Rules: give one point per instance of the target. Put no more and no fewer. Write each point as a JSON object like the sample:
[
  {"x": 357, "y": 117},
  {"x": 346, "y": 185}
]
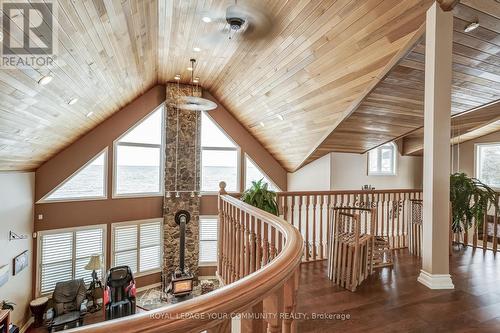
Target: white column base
[{"x": 435, "y": 281}]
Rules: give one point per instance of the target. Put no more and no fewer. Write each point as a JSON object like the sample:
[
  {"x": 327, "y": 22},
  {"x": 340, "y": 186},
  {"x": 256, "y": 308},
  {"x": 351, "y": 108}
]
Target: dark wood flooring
[{"x": 392, "y": 300}]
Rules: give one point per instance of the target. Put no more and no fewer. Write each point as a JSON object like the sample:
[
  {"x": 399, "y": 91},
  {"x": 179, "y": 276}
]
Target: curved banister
[{"x": 215, "y": 308}]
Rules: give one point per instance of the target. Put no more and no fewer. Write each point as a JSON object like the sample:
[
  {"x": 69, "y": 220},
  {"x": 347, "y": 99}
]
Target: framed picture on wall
[{"x": 20, "y": 262}]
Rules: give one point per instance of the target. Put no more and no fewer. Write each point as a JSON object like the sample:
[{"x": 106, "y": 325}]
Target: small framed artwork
[
  {"x": 4, "y": 274},
  {"x": 20, "y": 262}
]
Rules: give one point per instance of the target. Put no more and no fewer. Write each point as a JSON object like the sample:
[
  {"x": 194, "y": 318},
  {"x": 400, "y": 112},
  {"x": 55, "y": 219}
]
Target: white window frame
[
  {"x": 378, "y": 151},
  {"x": 45, "y": 198},
  {"x": 161, "y": 146},
  {"x": 73, "y": 230},
  {"x": 138, "y": 248},
  {"x": 261, "y": 171},
  {"x": 236, "y": 148},
  {"x": 477, "y": 169},
  {"x": 209, "y": 263}
]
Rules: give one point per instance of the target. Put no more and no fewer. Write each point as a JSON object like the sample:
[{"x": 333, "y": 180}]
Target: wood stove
[{"x": 181, "y": 284}]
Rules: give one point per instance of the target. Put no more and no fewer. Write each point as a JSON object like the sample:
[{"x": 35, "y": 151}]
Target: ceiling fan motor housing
[{"x": 235, "y": 22}]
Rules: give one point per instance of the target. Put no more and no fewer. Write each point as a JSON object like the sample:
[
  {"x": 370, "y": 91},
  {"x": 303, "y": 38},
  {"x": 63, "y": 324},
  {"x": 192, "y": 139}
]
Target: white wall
[
  {"x": 349, "y": 172},
  {"x": 314, "y": 176},
  {"x": 344, "y": 171},
  {"x": 16, "y": 211}
]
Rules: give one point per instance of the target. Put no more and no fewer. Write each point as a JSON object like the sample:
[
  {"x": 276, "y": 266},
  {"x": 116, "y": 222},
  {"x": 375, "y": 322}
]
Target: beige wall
[
  {"x": 464, "y": 155},
  {"x": 349, "y": 172},
  {"x": 17, "y": 192},
  {"x": 314, "y": 176},
  {"x": 344, "y": 171}
]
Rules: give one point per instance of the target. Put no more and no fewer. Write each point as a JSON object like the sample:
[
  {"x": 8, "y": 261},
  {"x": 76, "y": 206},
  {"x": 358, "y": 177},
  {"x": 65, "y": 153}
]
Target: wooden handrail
[
  {"x": 213, "y": 311},
  {"x": 347, "y": 192}
]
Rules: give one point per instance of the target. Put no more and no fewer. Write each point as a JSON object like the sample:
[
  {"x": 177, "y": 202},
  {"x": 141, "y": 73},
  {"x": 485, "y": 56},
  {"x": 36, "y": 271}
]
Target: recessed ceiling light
[
  {"x": 90, "y": 114},
  {"x": 280, "y": 117},
  {"x": 471, "y": 26},
  {"x": 196, "y": 49},
  {"x": 206, "y": 19},
  {"x": 45, "y": 79},
  {"x": 190, "y": 69},
  {"x": 196, "y": 80},
  {"x": 72, "y": 101},
  {"x": 262, "y": 124},
  {"x": 177, "y": 77}
]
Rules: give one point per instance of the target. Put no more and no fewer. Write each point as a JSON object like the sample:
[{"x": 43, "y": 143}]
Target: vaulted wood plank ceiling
[
  {"x": 316, "y": 64},
  {"x": 395, "y": 107}
]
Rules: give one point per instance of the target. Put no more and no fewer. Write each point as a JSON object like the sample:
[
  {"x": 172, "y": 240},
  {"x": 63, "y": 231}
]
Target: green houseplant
[
  {"x": 259, "y": 196},
  {"x": 470, "y": 200}
]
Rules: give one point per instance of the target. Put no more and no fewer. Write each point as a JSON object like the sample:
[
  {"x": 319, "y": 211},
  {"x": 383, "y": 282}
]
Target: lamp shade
[{"x": 94, "y": 263}]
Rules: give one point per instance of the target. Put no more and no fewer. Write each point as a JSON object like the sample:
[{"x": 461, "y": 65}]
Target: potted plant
[
  {"x": 259, "y": 196},
  {"x": 470, "y": 200}
]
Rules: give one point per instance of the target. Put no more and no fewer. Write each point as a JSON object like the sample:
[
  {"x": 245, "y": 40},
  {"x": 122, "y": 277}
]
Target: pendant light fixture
[{"x": 192, "y": 102}]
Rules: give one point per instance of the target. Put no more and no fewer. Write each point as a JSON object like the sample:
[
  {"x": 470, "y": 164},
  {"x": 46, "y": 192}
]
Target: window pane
[
  {"x": 148, "y": 131},
  {"x": 373, "y": 161},
  {"x": 387, "y": 160},
  {"x": 217, "y": 166},
  {"x": 125, "y": 238},
  {"x": 489, "y": 164},
  {"x": 211, "y": 135},
  {"x": 150, "y": 258},
  {"x": 150, "y": 234},
  {"x": 127, "y": 258},
  {"x": 88, "y": 182},
  {"x": 252, "y": 173},
  {"x": 208, "y": 240},
  {"x": 56, "y": 260},
  {"x": 88, "y": 242},
  {"x": 138, "y": 170}
]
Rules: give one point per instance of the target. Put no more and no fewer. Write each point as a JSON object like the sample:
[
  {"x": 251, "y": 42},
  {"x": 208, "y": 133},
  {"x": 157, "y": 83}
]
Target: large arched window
[{"x": 382, "y": 160}]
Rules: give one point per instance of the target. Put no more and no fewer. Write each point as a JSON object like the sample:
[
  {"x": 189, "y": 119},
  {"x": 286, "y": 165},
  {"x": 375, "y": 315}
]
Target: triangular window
[
  {"x": 88, "y": 182},
  {"x": 254, "y": 174}
]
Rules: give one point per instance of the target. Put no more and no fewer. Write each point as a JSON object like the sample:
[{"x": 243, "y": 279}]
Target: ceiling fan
[{"x": 249, "y": 22}]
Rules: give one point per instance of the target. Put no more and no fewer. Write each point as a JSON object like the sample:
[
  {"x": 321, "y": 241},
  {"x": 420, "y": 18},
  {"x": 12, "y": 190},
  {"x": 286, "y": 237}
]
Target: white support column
[{"x": 437, "y": 120}]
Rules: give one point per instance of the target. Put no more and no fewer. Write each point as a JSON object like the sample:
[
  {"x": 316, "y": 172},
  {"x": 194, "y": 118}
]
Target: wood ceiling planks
[
  {"x": 315, "y": 67},
  {"x": 106, "y": 58},
  {"x": 395, "y": 107}
]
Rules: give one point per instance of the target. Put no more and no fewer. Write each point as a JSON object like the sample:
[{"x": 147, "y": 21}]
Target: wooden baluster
[
  {"x": 280, "y": 242},
  {"x": 300, "y": 220},
  {"x": 237, "y": 241},
  {"x": 403, "y": 215},
  {"x": 292, "y": 210},
  {"x": 495, "y": 238},
  {"x": 485, "y": 230},
  {"x": 285, "y": 208},
  {"x": 273, "y": 307},
  {"x": 273, "y": 251},
  {"x": 306, "y": 240},
  {"x": 321, "y": 250},
  {"x": 290, "y": 302},
  {"x": 225, "y": 244},
  {"x": 258, "y": 244},
  {"x": 398, "y": 213},
  {"x": 255, "y": 323},
  {"x": 253, "y": 245},
  {"x": 242, "y": 244},
  {"x": 265, "y": 243},
  {"x": 328, "y": 224},
  {"x": 314, "y": 228},
  {"x": 230, "y": 244},
  {"x": 248, "y": 244}
]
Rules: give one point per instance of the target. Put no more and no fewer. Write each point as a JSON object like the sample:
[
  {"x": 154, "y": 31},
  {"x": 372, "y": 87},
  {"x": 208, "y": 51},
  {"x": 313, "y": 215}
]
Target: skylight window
[
  {"x": 89, "y": 182},
  {"x": 138, "y": 167}
]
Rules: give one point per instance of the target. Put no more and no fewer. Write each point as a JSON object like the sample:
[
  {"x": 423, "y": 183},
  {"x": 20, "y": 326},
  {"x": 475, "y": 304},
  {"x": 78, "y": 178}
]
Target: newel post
[{"x": 220, "y": 230}]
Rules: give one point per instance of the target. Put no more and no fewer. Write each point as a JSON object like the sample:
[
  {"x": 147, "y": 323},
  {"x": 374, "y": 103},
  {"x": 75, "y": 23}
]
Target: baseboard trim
[
  {"x": 435, "y": 281},
  {"x": 26, "y": 325}
]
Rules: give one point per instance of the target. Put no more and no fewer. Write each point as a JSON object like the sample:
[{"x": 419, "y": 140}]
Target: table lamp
[{"x": 94, "y": 265}]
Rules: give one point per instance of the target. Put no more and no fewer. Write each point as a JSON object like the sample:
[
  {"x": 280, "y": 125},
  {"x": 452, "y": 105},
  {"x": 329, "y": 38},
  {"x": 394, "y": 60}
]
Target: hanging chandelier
[{"x": 193, "y": 102}]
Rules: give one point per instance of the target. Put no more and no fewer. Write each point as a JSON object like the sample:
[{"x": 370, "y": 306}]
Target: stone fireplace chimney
[{"x": 182, "y": 167}]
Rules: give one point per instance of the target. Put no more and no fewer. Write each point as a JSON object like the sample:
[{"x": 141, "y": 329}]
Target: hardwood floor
[{"x": 393, "y": 301}]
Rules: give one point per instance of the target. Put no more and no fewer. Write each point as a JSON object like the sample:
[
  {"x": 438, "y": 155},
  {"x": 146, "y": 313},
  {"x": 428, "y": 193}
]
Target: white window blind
[
  {"x": 64, "y": 255},
  {"x": 208, "y": 240},
  {"x": 138, "y": 245}
]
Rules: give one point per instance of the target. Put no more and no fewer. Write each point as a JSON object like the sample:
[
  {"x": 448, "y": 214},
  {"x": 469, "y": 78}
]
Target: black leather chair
[
  {"x": 119, "y": 294},
  {"x": 69, "y": 302}
]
